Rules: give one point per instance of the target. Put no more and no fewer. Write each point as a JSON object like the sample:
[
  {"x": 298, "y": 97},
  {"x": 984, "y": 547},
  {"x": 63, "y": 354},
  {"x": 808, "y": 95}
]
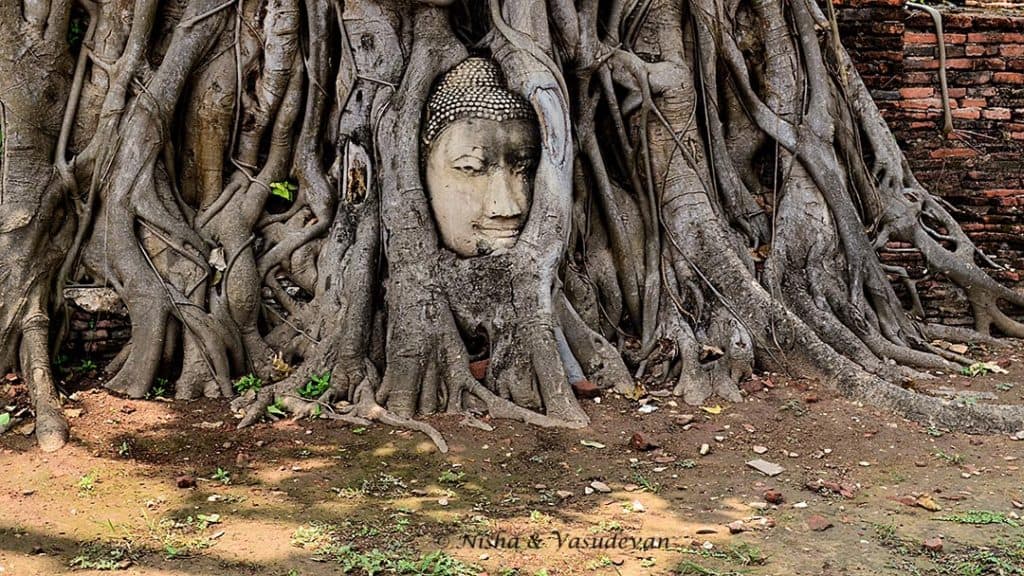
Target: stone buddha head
[{"x": 481, "y": 146}]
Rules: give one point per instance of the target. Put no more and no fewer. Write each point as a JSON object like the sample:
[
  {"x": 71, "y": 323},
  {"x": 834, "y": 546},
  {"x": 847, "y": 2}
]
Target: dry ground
[{"x": 316, "y": 497}]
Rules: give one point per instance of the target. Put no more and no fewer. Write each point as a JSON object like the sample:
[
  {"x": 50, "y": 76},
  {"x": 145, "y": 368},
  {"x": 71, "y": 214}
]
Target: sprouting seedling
[{"x": 284, "y": 189}]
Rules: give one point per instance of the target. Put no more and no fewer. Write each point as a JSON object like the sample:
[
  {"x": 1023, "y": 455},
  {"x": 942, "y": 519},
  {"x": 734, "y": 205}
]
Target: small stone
[
  {"x": 736, "y": 527},
  {"x": 965, "y": 475},
  {"x": 684, "y": 419},
  {"x": 864, "y": 463},
  {"x": 800, "y": 505},
  {"x": 563, "y": 494},
  {"x": 760, "y": 449},
  {"x": 641, "y": 444},
  {"x": 442, "y": 502},
  {"x": 418, "y": 492},
  {"x": 758, "y": 505},
  {"x": 185, "y": 481},
  {"x": 1017, "y": 504},
  {"x": 818, "y": 523},
  {"x": 600, "y": 487},
  {"x": 705, "y": 449},
  {"x": 773, "y": 496},
  {"x": 485, "y": 556},
  {"x": 933, "y": 544},
  {"x": 588, "y": 490},
  {"x": 793, "y": 455},
  {"x": 765, "y": 467},
  {"x": 637, "y": 506},
  {"x": 540, "y": 487}
]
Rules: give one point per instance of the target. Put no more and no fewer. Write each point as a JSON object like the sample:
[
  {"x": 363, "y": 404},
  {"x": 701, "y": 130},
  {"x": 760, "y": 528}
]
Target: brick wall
[{"x": 980, "y": 167}]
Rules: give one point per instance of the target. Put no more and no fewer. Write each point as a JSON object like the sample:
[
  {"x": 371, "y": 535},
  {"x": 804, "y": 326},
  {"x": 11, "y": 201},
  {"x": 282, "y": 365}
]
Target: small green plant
[
  {"x": 795, "y": 406},
  {"x": 87, "y": 483},
  {"x": 87, "y": 365},
  {"x": 277, "y": 409},
  {"x": 1004, "y": 386},
  {"x": 979, "y": 517},
  {"x": 645, "y": 484},
  {"x": 538, "y": 517},
  {"x": 982, "y": 368},
  {"x": 183, "y": 538},
  {"x": 104, "y": 557},
  {"x": 952, "y": 459},
  {"x": 222, "y": 476},
  {"x": 77, "y": 26},
  {"x": 125, "y": 449},
  {"x": 5, "y": 420},
  {"x": 606, "y": 526},
  {"x": 601, "y": 562},
  {"x": 453, "y": 477},
  {"x": 159, "y": 389},
  {"x": 248, "y": 382},
  {"x": 934, "y": 432},
  {"x": 284, "y": 189},
  {"x": 324, "y": 541},
  {"x": 316, "y": 386},
  {"x": 383, "y": 484},
  {"x": 687, "y": 464},
  {"x": 359, "y": 430}
]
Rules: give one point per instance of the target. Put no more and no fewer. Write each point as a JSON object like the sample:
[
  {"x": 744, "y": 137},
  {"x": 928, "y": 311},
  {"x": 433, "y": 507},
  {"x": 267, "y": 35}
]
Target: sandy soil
[{"x": 313, "y": 497}]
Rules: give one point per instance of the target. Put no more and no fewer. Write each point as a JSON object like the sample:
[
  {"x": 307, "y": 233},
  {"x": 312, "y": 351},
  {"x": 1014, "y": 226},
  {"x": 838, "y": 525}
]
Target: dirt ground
[{"x": 318, "y": 497}]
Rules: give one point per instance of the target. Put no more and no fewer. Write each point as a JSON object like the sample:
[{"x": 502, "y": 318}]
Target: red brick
[
  {"x": 959, "y": 64},
  {"x": 975, "y": 50},
  {"x": 1012, "y": 50},
  {"x": 921, "y": 103},
  {"x": 996, "y": 114},
  {"x": 919, "y": 38},
  {"x": 917, "y": 92},
  {"x": 918, "y": 63},
  {"x": 1001, "y": 192},
  {"x": 973, "y": 102},
  {"x": 1008, "y": 78},
  {"x": 943, "y": 153},
  {"x": 967, "y": 114}
]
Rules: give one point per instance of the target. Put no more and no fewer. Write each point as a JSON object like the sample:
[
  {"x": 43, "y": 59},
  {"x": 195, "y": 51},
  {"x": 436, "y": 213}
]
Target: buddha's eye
[
  {"x": 522, "y": 165},
  {"x": 470, "y": 166}
]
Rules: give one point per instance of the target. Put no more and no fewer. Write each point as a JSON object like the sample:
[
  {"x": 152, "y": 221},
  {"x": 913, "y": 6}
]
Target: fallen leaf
[
  {"x": 928, "y": 503},
  {"x": 591, "y": 444},
  {"x": 716, "y": 409}
]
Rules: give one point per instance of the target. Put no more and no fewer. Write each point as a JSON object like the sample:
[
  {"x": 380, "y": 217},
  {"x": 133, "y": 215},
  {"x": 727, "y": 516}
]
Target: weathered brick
[
  {"x": 1008, "y": 78},
  {"x": 945, "y": 153},
  {"x": 917, "y": 92},
  {"x": 996, "y": 114},
  {"x": 967, "y": 113}
]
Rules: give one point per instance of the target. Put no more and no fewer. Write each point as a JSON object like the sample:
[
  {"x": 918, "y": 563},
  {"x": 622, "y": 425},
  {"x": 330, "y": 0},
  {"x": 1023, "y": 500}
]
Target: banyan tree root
[{"x": 709, "y": 184}]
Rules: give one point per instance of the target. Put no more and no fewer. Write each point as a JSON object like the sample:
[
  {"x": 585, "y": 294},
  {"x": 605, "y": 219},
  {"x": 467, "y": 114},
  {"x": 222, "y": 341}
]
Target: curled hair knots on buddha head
[{"x": 474, "y": 88}]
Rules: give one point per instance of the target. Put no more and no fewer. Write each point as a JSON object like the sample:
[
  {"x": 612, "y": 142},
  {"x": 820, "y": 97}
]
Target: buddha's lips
[{"x": 498, "y": 231}]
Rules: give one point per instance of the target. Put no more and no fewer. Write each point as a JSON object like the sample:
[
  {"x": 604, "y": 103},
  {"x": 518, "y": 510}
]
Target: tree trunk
[{"x": 706, "y": 189}]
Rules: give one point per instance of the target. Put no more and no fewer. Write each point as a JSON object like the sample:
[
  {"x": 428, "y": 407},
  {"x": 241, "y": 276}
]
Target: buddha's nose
[{"x": 507, "y": 195}]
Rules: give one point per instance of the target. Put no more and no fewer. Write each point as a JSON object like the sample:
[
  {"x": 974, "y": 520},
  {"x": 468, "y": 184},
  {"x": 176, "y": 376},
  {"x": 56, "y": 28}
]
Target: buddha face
[{"x": 479, "y": 179}]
